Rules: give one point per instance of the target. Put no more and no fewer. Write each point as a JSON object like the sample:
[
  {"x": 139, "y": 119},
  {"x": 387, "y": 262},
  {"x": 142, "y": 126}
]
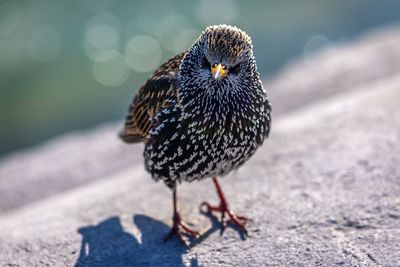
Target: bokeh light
[
  {"x": 10, "y": 18},
  {"x": 143, "y": 53},
  {"x": 44, "y": 44},
  {"x": 110, "y": 68},
  {"x": 102, "y": 32},
  {"x": 316, "y": 43},
  {"x": 102, "y": 36}
]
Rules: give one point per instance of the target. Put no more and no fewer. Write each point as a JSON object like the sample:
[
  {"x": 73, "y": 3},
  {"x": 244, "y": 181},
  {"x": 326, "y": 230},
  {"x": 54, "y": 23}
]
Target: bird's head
[{"x": 221, "y": 59}]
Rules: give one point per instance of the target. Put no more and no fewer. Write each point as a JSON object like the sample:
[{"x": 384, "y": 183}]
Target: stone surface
[
  {"x": 323, "y": 190},
  {"x": 336, "y": 70}
]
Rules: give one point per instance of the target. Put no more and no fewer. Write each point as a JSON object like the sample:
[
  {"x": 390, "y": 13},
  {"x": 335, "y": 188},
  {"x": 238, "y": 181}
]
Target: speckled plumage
[{"x": 195, "y": 126}]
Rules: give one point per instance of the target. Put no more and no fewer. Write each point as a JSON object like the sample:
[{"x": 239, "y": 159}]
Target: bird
[{"x": 202, "y": 114}]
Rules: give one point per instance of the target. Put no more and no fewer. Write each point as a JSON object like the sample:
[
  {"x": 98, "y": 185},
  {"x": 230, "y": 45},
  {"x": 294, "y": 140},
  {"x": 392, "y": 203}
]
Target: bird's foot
[
  {"x": 181, "y": 229},
  {"x": 238, "y": 220}
]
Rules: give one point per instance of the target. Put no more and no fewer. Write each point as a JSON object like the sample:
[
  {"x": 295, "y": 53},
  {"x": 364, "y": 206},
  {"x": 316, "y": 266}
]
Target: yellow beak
[{"x": 218, "y": 71}]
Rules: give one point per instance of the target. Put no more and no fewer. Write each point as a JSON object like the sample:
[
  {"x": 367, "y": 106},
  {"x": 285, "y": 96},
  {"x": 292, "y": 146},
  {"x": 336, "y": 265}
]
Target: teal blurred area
[{"x": 67, "y": 65}]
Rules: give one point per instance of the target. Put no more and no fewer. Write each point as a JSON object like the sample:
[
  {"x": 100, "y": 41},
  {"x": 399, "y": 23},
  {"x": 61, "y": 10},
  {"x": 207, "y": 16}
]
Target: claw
[
  {"x": 181, "y": 229},
  {"x": 223, "y": 208},
  {"x": 238, "y": 220}
]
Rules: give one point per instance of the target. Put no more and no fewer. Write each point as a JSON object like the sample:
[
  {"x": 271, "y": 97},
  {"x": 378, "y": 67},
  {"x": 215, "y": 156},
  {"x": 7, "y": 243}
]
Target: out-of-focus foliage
[{"x": 71, "y": 64}]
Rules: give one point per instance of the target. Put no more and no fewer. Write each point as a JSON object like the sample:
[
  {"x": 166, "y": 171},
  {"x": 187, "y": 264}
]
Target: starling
[{"x": 202, "y": 114}]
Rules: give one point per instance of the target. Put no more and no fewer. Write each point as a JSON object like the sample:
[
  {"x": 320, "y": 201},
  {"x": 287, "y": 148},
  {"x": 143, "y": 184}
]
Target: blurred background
[{"x": 67, "y": 65}]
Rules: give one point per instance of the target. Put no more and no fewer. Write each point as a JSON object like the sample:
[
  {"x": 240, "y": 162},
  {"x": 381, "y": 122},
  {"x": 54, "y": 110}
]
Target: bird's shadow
[{"x": 107, "y": 244}]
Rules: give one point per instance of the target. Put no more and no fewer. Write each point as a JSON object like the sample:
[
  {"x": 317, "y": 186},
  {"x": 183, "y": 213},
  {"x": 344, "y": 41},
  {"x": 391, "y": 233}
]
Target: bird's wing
[{"x": 151, "y": 97}]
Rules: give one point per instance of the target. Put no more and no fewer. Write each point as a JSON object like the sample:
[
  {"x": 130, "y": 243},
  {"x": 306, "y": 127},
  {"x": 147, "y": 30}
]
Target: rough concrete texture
[{"x": 324, "y": 190}]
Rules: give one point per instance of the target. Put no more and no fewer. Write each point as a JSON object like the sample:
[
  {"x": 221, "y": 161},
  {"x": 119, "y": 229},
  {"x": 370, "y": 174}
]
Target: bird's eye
[
  {"x": 235, "y": 69},
  {"x": 205, "y": 63}
]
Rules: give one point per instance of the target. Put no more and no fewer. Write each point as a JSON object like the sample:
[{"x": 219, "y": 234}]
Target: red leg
[
  {"x": 179, "y": 227},
  {"x": 239, "y": 221}
]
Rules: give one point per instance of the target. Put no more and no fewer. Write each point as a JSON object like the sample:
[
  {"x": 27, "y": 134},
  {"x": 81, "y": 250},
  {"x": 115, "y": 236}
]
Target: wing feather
[{"x": 151, "y": 97}]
